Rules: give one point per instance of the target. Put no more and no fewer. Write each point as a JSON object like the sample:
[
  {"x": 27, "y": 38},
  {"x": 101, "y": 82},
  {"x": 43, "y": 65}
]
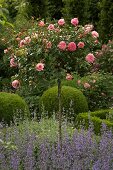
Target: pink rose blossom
[
  {"x": 74, "y": 21},
  {"x": 62, "y": 45},
  {"x": 51, "y": 27},
  {"x": 94, "y": 34},
  {"x": 41, "y": 24},
  {"x": 87, "y": 85},
  {"x": 40, "y": 67},
  {"x": 27, "y": 40},
  {"x": 49, "y": 45},
  {"x": 22, "y": 43},
  {"x": 5, "y": 51},
  {"x": 61, "y": 22},
  {"x": 69, "y": 77},
  {"x": 90, "y": 58},
  {"x": 12, "y": 62},
  {"x": 15, "y": 84},
  {"x": 71, "y": 46},
  {"x": 88, "y": 28},
  {"x": 81, "y": 45}
]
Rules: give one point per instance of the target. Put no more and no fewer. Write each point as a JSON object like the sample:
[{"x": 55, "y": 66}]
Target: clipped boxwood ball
[
  {"x": 12, "y": 106},
  {"x": 73, "y": 101}
]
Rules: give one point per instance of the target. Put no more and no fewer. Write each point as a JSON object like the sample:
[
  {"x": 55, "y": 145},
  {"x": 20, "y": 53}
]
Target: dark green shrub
[
  {"x": 97, "y": 118},
  {"x": 12, "y": 107},
  {"x": 73, "y": 101}
]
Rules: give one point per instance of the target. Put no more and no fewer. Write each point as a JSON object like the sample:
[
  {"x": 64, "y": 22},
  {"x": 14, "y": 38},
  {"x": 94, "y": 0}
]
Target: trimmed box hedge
[
  {"x": 97, "y": 118},
  {"x": 12, "y": 107},
  {"x": 71, "y": 98}
]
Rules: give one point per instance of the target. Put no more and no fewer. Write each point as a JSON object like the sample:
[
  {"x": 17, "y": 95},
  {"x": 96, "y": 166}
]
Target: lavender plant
[{"x": 27, "y": 150}]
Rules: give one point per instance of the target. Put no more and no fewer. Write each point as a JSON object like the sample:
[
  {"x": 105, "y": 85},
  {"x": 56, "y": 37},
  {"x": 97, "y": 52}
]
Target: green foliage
[
  {"x": 105, "y": 24},
  {"x": 93, "y": 12},
  {"x": 97, "y": 118},
  {"x": 105, "y": 57},
  {"x": 4, "y": 13},
  {"x": 72, "y": 101},
  {"x": 11, "y": 5},
  {"x": 46, "y": 9},
  {"x": 12, "y": 108},
  {"x": 55, "y": 9},
  {"x": 22, "y": 15},
  {"x": 17, "y": 9}
]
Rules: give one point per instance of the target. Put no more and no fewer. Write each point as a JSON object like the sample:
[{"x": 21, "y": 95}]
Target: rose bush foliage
[
  {"x": 44, "y": 48},
  {"x": 105, "y": 57}
]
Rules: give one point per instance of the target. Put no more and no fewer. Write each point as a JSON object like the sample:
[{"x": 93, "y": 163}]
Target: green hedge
[
  {"x": 12, "y": 108},
  {"x": 73, "y": 101},
  {"x": 97, "y": 118}
]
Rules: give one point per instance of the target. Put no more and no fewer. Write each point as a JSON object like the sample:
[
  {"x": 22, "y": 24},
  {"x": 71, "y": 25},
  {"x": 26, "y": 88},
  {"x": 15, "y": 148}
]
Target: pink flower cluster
[
  {"x": 90, "y": 58},
  {"x": 51, "y": 27},
  {"x": 39, "y": 67},
  {"x": 81, "y": 45},
  {"x": 74, "y": 21},
  {"x": 25, "y": 41},
  {"x": 16, "y": 84},
  {"x": 41, "y": 24},
  {"x": 61, "y": 22},
  {"x": 62, "y": 45},
  {"x": 95, "y": 34},
  {"x": 13, "y": 63},
  {"x": 88, "y": 28},
  {"x": 70, "y": 47}
]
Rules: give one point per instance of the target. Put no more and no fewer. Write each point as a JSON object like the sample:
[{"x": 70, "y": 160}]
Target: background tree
[
  {"x": 94, "y": 12},
  {"x": 105, "y": 24},
  {"x": 38, "y": 8},
  {"x": 55, "y": 8},
  {"x": 75, "y": 8}
]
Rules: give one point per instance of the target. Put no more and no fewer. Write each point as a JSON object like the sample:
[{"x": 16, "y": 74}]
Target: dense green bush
[
  {"x": 12, "y": 108},
  {"x": 97, "y": 118},
  {"x": 72, "y": 99}
]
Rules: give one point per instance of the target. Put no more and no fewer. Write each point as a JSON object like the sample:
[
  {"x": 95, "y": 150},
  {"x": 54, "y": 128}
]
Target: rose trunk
[{"x": 59, "y": 109}]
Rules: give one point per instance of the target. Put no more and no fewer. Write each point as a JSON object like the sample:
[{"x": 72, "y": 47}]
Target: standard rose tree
[{"x": 47, "y": 49}]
